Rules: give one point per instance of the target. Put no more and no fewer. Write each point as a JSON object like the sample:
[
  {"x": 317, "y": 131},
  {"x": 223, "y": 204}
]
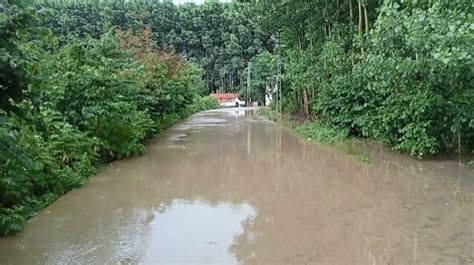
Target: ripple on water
[
  {"x": 177, "y": 136},
  {"x": 174, "y": 146},
  {"x": 205, "y": 120},
  {"x": 315, "y": 204}
]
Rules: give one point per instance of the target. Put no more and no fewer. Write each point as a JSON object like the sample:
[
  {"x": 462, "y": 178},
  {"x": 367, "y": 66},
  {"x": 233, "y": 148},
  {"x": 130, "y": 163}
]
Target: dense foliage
[
  {"x": 400, "y": 72},
  {"x": 71, "y": 104},
  {"x": 219, "y": 37},
  {"x": 83, "y": 83},
  {"x": 261, "y": 81}
]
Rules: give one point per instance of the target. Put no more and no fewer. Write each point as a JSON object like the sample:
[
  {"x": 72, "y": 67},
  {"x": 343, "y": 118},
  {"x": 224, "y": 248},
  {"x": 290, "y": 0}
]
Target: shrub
[
  {"x": 91, "y": 102},
  {"x": 320, "y": 132}
]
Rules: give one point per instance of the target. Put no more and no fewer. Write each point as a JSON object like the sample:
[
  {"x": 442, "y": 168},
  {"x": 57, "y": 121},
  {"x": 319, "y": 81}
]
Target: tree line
[
  {"x": 83, "y": 83},
  {"x": 400, "y": 72},
  {"x": 220, "y": 37},
  {"x": 72, "y": 102}
]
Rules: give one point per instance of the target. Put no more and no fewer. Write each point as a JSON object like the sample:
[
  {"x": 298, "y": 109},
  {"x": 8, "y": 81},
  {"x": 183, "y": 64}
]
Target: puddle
[{"x": 196, "y": 232}]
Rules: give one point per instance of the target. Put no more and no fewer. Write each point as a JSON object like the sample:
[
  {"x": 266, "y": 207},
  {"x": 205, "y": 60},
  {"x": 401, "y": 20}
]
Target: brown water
[{"x": 228, "y": 187}]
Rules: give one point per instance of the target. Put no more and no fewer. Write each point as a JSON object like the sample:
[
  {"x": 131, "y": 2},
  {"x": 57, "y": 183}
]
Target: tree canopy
[
  {"x": 400, "y": 72},
  {"x": 72, "y": 101},
  {"x": 219, "y": 37}
]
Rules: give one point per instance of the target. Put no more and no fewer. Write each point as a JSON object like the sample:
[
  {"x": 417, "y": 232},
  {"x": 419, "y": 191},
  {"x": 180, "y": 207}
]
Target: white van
[{"x": 234, "y": 103}]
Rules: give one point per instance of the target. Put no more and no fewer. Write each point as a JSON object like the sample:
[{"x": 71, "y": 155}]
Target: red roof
[{"x": 224, "y": 97}]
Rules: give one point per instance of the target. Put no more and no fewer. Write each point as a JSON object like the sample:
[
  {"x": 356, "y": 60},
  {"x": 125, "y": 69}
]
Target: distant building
[
  {"x": 228, "y": 99},
  {"x": 225, "y": 97}
]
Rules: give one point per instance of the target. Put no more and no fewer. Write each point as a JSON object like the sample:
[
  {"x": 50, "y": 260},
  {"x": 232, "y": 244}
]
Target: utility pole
[
  {"x": 279, "y": 95},
  {"x": 249, "y": 101}
]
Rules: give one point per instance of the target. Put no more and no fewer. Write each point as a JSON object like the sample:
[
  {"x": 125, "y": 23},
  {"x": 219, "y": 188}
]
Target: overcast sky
[{"x": 195, "y": 1}]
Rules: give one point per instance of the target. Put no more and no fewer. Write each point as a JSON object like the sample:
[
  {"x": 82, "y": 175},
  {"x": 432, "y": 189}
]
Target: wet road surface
[{"x": 229, "y": 187}]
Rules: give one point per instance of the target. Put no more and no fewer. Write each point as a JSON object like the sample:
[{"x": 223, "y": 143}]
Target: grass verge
[{"x": 319, "y": 132}]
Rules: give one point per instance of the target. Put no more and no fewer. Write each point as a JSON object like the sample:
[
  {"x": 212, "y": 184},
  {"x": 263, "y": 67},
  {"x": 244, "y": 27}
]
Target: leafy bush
[
  {"x": 413, "y": 69},
  {"x": 204, "y": 103},
  {"x": 81, "y": 104},
  {"x": 413, "y": 86},
  {"x": 11, "y": 221}
]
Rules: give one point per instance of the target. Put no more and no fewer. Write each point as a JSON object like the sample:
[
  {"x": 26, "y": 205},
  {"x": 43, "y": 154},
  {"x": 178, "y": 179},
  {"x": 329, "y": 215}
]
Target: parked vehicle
[
  {"x": 229, "y": 104},
  {"x": 240, "y": 103},
  {"x": 236, "y": 102}
]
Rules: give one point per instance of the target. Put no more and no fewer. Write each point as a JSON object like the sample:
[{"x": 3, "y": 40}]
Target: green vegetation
[
  {"x": 272, "y": 115},
  {"x": 319, "y": 132},
  {"x": 322, "y": 133},
  {"x": 220, "y": 37},
  {"x": 72, "y": 103},
  {"x": 470, "y": 164},
  {"x": 262, "y": 77},
  {"x": 84, "y": 83},
  {"x": 399, "y": 72}
]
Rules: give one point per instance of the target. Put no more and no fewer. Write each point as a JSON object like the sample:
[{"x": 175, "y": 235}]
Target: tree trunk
[
  {"x": 459, "y": 144},
  {"x": 351, "y": 16},
  {"x": 305, "y": 102},
  {"x": 366, "y": 19},
  {"x": 208, "y": 82},
  {"x": 360, "y": 25}
]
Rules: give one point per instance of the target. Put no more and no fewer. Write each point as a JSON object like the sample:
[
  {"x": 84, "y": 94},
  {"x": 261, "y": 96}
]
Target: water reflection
[
  {"x": 226, "y": 188},
  {"x": 196, "y": 232}
]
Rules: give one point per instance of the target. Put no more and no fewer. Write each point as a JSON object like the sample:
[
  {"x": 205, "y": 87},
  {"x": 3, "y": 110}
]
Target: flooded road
[{"x": 228, "y": 187}]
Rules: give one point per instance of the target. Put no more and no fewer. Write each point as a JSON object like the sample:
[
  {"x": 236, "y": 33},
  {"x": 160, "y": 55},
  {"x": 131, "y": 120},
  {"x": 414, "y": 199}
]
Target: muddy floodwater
[{"x": 229, "y": 187}]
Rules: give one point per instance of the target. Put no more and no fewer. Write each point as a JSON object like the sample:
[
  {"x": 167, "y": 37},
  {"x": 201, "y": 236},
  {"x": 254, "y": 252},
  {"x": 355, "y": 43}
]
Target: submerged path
[{"x": 228, "y": 187}]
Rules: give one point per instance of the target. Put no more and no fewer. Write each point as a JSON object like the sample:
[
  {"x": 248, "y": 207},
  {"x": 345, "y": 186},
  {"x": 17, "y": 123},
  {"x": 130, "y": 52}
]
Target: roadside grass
[
  {"x": 351, "y": 147},
  {"x": 319, "y": 132},
  {"x": 470, "y": 164}
]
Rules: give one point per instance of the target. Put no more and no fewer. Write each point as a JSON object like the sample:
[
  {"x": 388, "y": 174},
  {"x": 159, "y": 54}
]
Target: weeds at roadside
[
  {"x": 316, "y": 131},
  {"x": 470, "y": 165}
]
